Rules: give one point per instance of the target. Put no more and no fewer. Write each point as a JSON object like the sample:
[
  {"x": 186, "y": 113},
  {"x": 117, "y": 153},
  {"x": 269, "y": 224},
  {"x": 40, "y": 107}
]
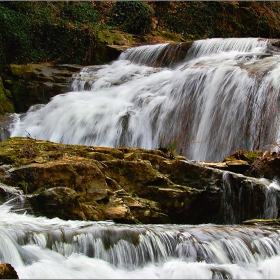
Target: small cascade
[
  {"x": 239, "y": 201},
  {"x": 145, "y": 54},
  {"x": 15, "y": 199},
  {"x": 208, "y": 47},
  {"x": 9, "y": 249},
  {"x": 227, "y": 201},
  {"x": 159, "y": 55},
  {"x": 208, "y": 99}
]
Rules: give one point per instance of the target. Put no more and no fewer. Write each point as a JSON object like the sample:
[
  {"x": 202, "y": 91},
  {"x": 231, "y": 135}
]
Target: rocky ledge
[
  {"x": 32, "y": 84},
  {"x": 127, "y": 185}
]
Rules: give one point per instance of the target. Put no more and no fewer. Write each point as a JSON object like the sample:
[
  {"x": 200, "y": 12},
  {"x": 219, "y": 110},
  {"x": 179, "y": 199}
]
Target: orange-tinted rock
[{"x": 7, "y": 271}]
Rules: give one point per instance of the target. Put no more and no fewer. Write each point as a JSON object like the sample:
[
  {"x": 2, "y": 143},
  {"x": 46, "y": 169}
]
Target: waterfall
[
  {"x": 270, "y": 207},
  {"x": 236, "y": 203},
  {"x": 227, "y": 200},
  {"x": 220, "y": 96},
  {"x": 39, "y": 248}
]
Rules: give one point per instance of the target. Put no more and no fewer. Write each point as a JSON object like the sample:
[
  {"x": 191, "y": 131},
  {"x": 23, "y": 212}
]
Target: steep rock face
[
  {"x": 128, "y": 185},
  {"x": 6, "y": 105},
  {"x": 32, "y": 84}
]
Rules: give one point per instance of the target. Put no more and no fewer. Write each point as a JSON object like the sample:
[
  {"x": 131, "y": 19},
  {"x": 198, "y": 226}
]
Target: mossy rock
[
  {"x": 114, "y": 37},
  {"x": 7, "y": 271},
  {"x": 31, "y": 83},
  {"x": 25, "y": 71},
  {"x": 268, "y": 168},
  {"x": 6, "y": 105},
  {"x": 249, "y": 156}
]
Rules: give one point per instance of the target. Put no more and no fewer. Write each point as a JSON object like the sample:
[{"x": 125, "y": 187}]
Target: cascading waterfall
[
  {"x": 41, "y": 248},
  {"x": 221, "y": 96},
  {"x": 271, "y": 208},
  {"x": 35, "y": 247}
]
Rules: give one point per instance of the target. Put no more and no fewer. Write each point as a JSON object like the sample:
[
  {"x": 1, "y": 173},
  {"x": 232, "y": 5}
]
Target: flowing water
[
  {"x": 220, "y": 96},
  {"x": 39, "y": 248}
]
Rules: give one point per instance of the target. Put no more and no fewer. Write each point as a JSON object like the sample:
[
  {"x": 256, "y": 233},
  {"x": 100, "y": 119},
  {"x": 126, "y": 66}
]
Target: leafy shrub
[
  {"x": 131, "y": 16},
  {"x": 36, "y": 32},
  {"x": 81, "y": 12},
  {"x": 66, "y": 42},
  {"x": 205, "y": 19}
]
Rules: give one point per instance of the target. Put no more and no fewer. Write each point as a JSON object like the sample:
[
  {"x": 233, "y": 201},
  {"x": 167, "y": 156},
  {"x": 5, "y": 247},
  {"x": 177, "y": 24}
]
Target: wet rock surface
[
  {"x": 127, "y": 185},
  {"x": 32, "y": 84}
]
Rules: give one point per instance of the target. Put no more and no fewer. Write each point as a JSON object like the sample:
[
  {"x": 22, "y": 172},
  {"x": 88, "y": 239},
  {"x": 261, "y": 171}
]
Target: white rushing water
[
  {"x": 41, "y": 248},
  {"x": 221, "y": 97}
]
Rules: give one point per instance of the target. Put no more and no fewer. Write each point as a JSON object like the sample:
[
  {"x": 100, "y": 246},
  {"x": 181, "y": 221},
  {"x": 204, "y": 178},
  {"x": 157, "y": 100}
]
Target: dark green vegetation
[
  {"x": 70, "y": 31},
  {"x": 47, "y": 31},
  {"x": 132, "y": 17},
  {"x": 198, "y": 19},
  {"x": 6, "y": 104}
]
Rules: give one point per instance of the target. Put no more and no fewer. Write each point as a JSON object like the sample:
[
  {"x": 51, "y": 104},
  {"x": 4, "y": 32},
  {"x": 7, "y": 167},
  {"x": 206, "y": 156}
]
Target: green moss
[
  {"x": 19, "y": 95},
  {"x": 252, "y": 155},
  {"x": 25, "y": 71},
  {"x": 21, "y": 151},
  {"x": 18, "y": 70},
  {"x": 168, "y": 36}
]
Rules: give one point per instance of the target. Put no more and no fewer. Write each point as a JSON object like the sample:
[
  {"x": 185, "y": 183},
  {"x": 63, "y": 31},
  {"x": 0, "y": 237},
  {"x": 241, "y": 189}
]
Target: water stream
[
  {"x": 221, "y": 96},
  {"x": 40, "y": 248}
]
